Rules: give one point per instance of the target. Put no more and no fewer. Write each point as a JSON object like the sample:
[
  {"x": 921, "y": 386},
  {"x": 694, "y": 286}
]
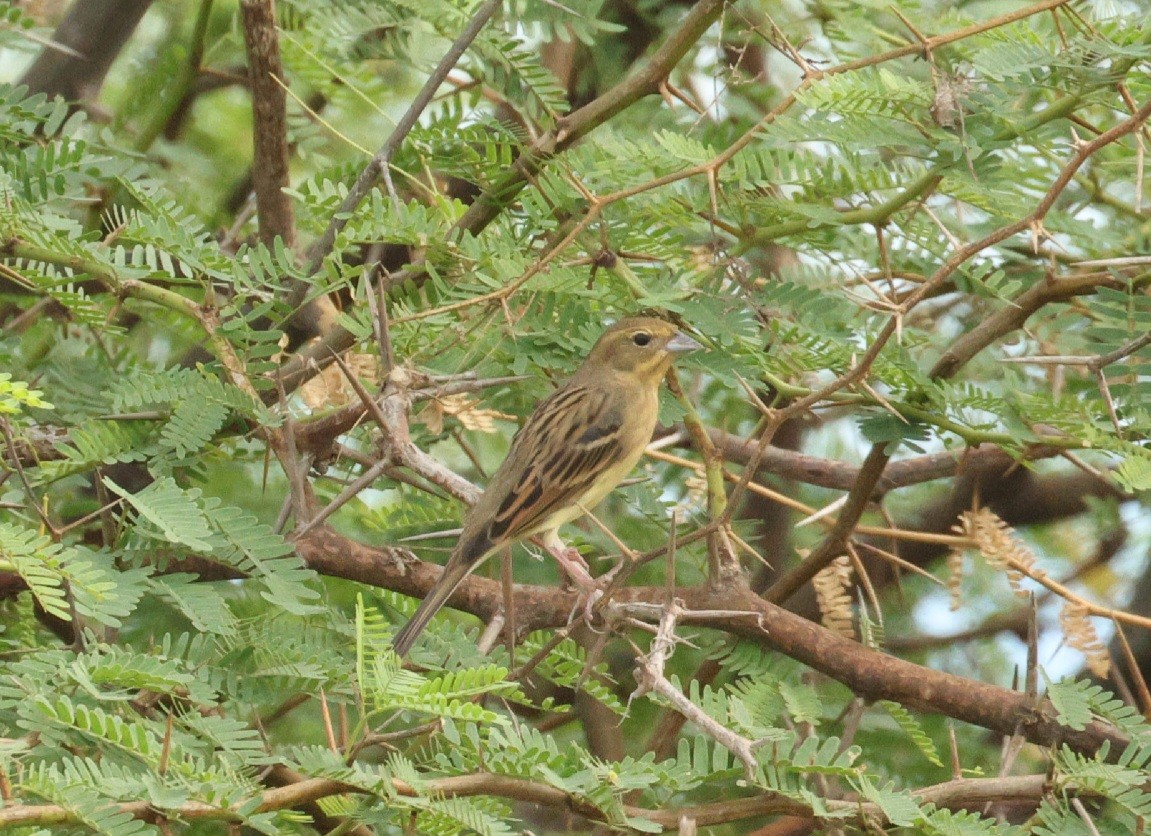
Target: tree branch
[
  {"x": 95, "y": 29},
  {"x": 566, "y": 131},
  {"x": 378, "y": 166},
  {"x": 868, "y": 673},
  {"x": 270, "y": 176}
]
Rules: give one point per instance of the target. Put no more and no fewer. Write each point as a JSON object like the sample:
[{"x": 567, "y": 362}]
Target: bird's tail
[{"x": 454, "y": 573}]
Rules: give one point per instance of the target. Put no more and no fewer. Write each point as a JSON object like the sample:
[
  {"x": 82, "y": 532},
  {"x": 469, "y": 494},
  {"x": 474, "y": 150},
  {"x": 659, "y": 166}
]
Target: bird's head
[{"x": 641, "y": 346}]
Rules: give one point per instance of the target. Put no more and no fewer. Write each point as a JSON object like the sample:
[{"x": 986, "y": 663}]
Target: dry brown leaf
[
  {"x": 832, "y": 593},
  {"x": 1000, "y": 547},
  {"x": 330, "y": 388},
  {"x": 955, "y": 577},
  {"x": 1081, "y": 635},
  {"x": 432, "y": 416},
  {"x": 464, "y": 409}
]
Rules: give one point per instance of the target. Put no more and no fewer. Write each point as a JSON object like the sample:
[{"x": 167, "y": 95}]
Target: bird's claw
[
  {"x": 591, "y": 590},
  {"x": 574, "y": 558},
  {"x": 574, "y": 566},
  {"x": 586, "y": 602},
  {"x": 589, "y": 603}
]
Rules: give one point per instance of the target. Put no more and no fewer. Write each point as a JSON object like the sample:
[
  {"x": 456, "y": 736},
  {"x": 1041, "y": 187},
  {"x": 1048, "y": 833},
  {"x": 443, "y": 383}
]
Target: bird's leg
[
  {"x": 576, "y": 568},
  {"x": 570, "y": 560}
]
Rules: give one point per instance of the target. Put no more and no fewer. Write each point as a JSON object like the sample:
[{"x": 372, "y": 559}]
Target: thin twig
[
  {"x": 379, "y": 164},
  {"x": 650, "y": 677}
]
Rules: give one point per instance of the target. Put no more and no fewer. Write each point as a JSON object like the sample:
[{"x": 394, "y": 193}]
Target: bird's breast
[{"x": 634, "y": 437}]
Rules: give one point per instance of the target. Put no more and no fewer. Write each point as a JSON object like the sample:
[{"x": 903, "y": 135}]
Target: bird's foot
[
  {"x": 585, "y": 605},
  {"x": 572, "y": 562},
  {"x": 589, "y": 601},
  {"x": 591, "y": 590}
]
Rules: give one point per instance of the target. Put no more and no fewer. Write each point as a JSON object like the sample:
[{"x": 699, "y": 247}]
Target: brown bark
[
  {"x": 98, "y": 30},
  {"x": 270, "y": 175},
  {"x": 866, "y": 672}
]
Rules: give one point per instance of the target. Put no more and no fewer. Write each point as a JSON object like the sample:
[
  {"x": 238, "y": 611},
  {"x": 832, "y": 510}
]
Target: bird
[{"x": 575, "y": 447}]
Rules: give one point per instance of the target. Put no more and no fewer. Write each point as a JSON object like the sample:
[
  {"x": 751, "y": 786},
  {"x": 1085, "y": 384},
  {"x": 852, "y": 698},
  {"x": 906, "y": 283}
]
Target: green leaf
[
  {"x": 39, "y": 562},
  {"x": 900, "y": 808},
  {"x": 912, "y": 727},
  {"x": 255, "y": 549},
  {"x": 1072, "y": 702},
  {"x": 15, "y": 396},
  {"x": 171, "y": 509},
  {"x": 200, "y": 602}
]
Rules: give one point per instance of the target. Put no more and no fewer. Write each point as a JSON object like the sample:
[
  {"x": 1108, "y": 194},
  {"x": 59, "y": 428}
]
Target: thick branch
[
  {"x": 964, "y": 793},
  {"x": 837, "y": 475},
  {"x": 97, "y": 30},
  {"x": 868, "y": 673},
  {"x": 270, "y": 175},
  {"x": 958, "y": 794}
]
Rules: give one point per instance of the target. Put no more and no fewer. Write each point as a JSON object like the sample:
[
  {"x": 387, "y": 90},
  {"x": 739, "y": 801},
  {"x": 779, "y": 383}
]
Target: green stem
[
  {"x": 161, "y": 296},
  {"x": 620, "y": 268},
  {"x": 101, "y": 272},
  {"x": 713, "y": 466},
  {"x": 78, "y": 264},
  {"x": 181, "y": 84},
  {"x": 878, "y": 214}
]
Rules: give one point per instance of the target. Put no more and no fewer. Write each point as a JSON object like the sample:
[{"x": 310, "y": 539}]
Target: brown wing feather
[
  {"x": 581, "y": 441},
  {"x": 543, "y": 473}
]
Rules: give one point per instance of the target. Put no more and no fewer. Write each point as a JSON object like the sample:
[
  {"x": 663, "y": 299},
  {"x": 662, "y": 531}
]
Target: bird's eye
[{"x": 641, "y": 338}]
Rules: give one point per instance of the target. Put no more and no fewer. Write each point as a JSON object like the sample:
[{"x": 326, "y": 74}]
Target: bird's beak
[{"x": 681, "y": 343}]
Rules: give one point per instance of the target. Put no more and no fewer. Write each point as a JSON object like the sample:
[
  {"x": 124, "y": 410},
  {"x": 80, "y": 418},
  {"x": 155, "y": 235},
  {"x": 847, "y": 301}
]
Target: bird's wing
[{"x": 569, "y": 442}]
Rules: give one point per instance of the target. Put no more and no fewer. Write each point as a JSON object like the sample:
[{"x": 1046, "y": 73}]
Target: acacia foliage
[{"x": 860, "y": 212}]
